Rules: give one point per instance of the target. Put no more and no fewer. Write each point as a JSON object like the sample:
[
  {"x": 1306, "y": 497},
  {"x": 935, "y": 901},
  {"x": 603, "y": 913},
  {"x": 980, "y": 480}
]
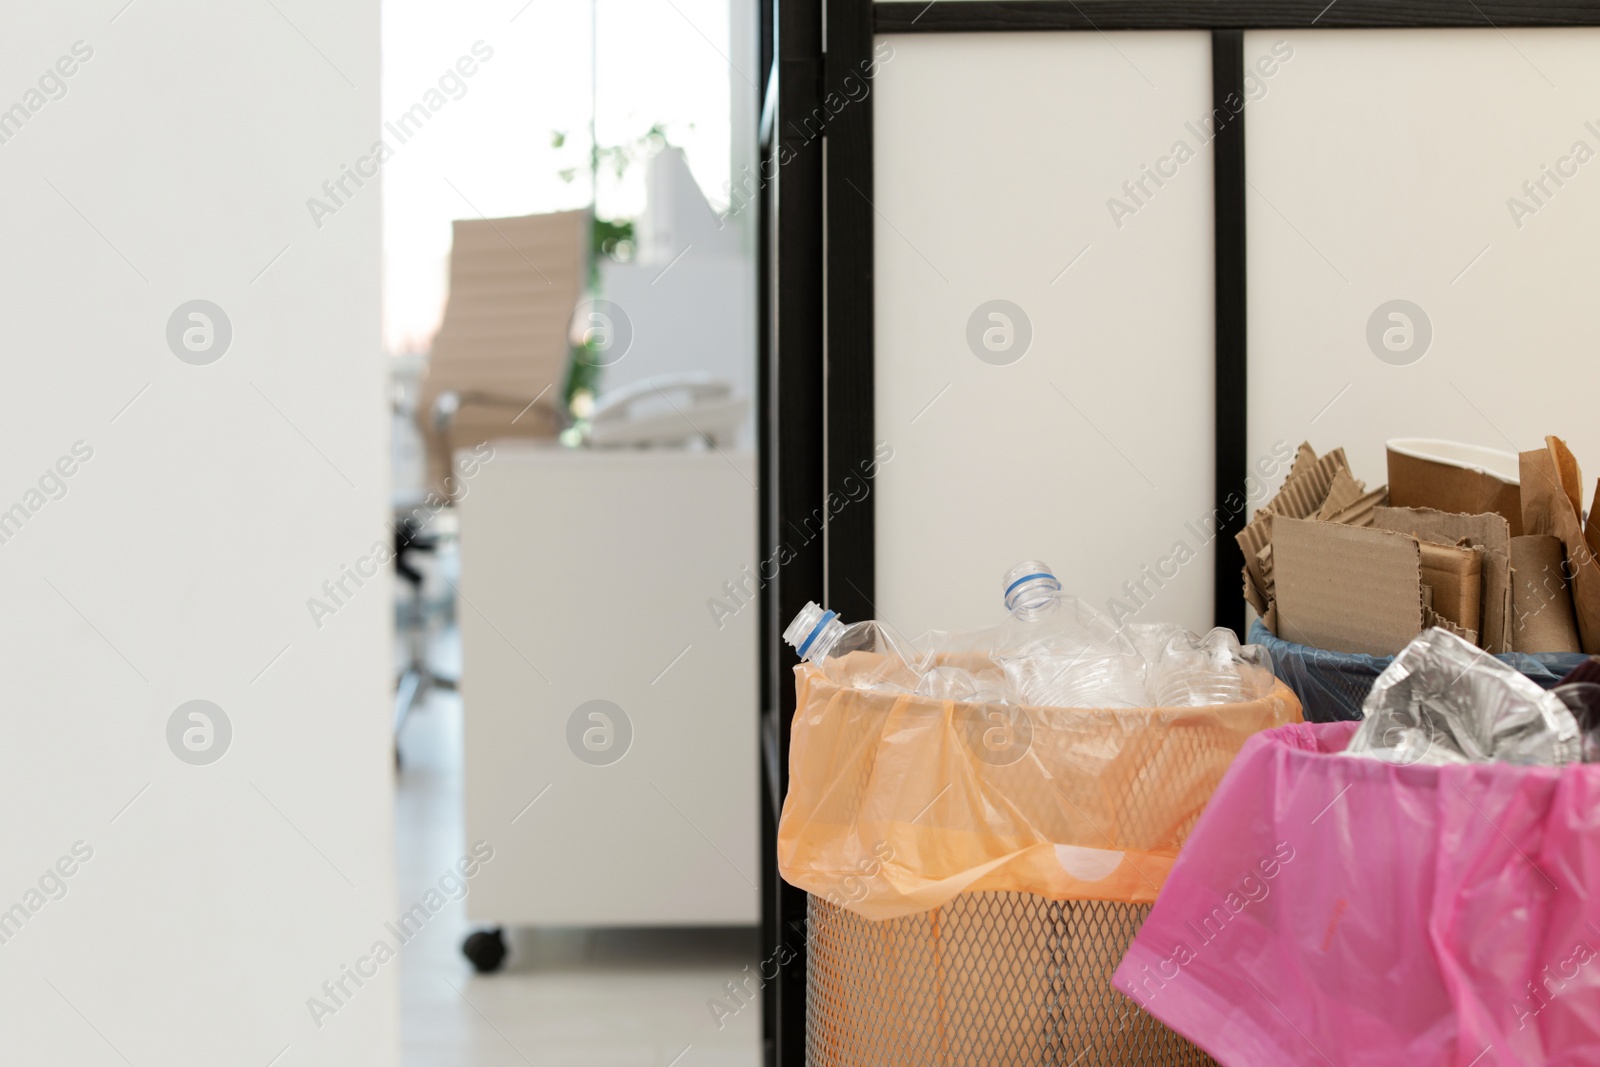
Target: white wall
[
  {"x": 178, "y": 565},
  {"x": 995, "y": 157},
  {"x": 1381, "y": 163}
]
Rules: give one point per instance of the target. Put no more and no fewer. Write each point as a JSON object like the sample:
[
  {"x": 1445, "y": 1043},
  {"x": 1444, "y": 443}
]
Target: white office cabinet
[
  {"x": 601, "y": 576},
  {"x": 1002, "y": 167}
]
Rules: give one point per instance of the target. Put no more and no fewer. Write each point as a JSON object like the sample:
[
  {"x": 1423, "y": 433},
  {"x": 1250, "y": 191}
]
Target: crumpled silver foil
[{"x": 1444, "y": 700}]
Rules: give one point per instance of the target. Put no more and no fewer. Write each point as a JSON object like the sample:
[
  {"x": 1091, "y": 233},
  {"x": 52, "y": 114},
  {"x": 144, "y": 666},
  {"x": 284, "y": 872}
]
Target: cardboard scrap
[
  {"x": 1421, "y": 566},
  {"x": 1488, "y": 532},
  {"x": 1253, "y": 592},
  {"x": 1254, "y": 596},
  {"x": 1304, "y": 457},
  {"x": 1552, "y": 504},
  {"x": 1302, "y": 494},
  {"x": 1542, "y": 617},
  {"x": 1343, "y": 492},
  {"x": 1591, "y": 532},
  {"x": 1431, "y": 618},
  {"x": 1256, "y": 535},
  {"x": 1454, "y": 577},
  {"x": 1359, "y": 511},
  {"x": 1347, "y": 588}
]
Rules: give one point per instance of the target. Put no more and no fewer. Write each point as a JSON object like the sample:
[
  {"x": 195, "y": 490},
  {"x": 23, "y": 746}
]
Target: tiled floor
[{"x": 567, "y": 998}]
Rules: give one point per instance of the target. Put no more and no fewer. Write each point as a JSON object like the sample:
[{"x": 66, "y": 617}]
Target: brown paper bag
[
  {"x": 1542, "y": 601},
  {"x": 1551, "y": 504}
]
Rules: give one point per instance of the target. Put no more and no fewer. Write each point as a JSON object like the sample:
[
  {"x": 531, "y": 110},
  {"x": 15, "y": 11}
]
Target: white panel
[
  {"x": 1383, "y": 166},
  {"x": 997, "y": 156},
  {"x": 177, "y": 563},
  {"x": 591, "y": 576}
]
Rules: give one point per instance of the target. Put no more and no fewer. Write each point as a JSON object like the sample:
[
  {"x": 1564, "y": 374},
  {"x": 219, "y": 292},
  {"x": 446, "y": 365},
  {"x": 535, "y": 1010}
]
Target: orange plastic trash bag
[{"x": 898, "y": 803}]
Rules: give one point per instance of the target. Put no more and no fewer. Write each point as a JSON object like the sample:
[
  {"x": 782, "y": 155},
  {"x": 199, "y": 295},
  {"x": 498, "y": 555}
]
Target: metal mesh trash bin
[
  {"x": 977, "y": 871},
  {"x": 988, "y": 979}
]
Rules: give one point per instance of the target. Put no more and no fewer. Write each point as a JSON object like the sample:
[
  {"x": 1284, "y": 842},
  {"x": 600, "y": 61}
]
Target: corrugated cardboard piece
[
  {"x": 1323, "y": 584},
  {"x": 1543, "y": 616},
  {"x": 1347, "y": 588},
  {"x": 1491, "y": 534},
  {"x": 1343, "y": 492},
  {"x": 1551, "y": 504},
  {"x": 1359, "y": 511},
  {"x": 1321, "y": 488},
  {"x": 1310, "y": 482},
  {"x": 1454, "y": 577}
]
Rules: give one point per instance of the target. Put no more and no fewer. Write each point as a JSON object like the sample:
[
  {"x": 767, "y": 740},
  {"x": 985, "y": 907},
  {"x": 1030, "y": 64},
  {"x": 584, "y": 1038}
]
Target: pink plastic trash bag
[{"x": 1330, "y": 910}]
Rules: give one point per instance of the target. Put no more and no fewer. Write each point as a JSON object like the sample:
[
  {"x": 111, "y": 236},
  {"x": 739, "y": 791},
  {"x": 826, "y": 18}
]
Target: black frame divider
[
  {"x": 990, "y": 16},
  {"x": 852, "y": 552},
  {"x": 792, "y": 474},
  {"x": 768, "y": 795},
  {"x": 1232, "y": 461},
  {"x": 816, "y": 377}
]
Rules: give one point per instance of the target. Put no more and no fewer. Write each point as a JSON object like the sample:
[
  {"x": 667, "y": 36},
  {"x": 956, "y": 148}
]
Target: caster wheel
[{"x": 485, "y": 950}]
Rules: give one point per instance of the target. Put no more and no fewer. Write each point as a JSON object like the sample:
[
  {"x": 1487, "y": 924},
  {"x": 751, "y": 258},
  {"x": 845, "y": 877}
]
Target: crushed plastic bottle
[
  {"x": 1058, "y": 651},
  {"x": 819, "y": 636},
  {"x": 1193, "y": 671},
  {"x": 1052, "y": 650},
  {"x": 949, "y": 683},
  {"x": 1150, "y": 638},
  {"x": 959, "y": 665}
]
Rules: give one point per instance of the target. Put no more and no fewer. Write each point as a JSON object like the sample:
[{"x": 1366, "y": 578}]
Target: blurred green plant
[
  {"x": 616, "y": 158},
  {"x": 608, "y": 239}
]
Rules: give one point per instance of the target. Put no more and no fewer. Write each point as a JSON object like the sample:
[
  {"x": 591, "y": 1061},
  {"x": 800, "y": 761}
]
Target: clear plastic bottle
[
  {"x": 819, "y": 636},
  {"x": 1058, "y": 651},
  {"x": 1195, "y": 671},
  {"x": 948, "y": 683}
]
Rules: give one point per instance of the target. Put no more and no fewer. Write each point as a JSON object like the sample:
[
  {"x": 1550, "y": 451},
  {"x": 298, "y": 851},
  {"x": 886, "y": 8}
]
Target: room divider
[{"x": 1028, "y": 290}]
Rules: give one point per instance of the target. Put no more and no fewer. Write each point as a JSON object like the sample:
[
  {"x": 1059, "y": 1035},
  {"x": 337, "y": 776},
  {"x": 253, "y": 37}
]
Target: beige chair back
[{"x": 514, "y": 283}]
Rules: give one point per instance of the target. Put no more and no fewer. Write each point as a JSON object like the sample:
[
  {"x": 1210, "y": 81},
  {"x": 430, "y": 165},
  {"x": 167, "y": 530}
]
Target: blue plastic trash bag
[{"x": 1332, "y": 685}]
